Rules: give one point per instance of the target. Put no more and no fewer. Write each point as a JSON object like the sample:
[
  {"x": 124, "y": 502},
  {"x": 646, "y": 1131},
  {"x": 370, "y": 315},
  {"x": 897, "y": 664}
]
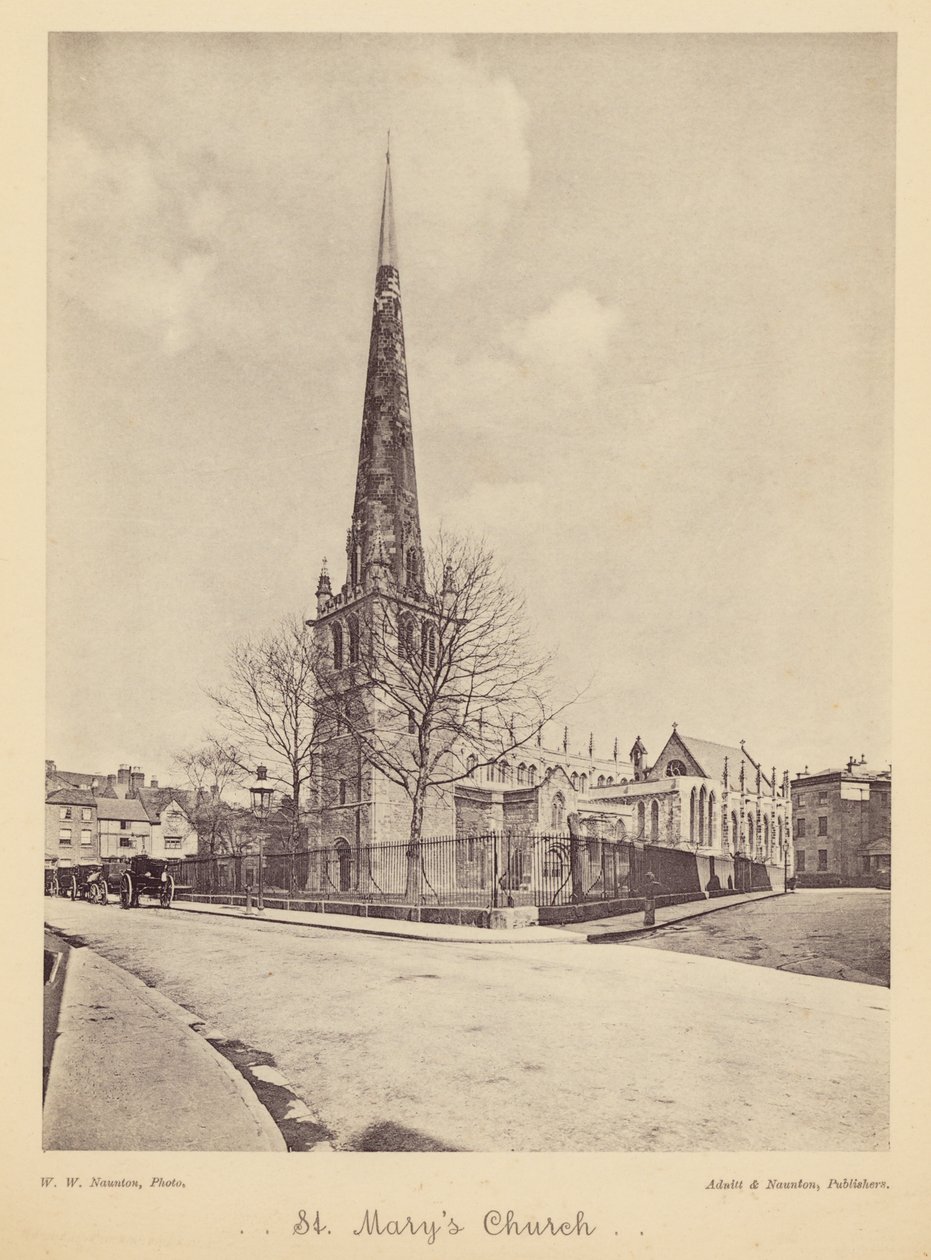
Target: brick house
[{"x": 843, "y": 824}]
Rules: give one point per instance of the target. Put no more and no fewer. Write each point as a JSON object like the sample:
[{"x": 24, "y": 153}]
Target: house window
[
  {"x": 800, "y": 861},
  {"x": 822, "y": 859},
  {"x": 800, "y": 799},
  {"x": 86, "y": 835},
  {"x": 85, "y": 814},
  {"x": 126, "y": 842},
  {"x": 64, "y": 812},
  {"x": 172, "y": 842},
  {"x": 800, "y": 828},
  {"x": 822, "y": 798},
  {"x": 64, "y": 835},
  {"x": 823, "y": 825},
  {"x": 124, "y": 825}
]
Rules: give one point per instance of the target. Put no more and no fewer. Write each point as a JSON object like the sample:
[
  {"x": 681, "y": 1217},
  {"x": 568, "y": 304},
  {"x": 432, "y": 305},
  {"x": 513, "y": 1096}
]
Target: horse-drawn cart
[
  {"x": 77, "y": 879},
  {"x": 144, "y": 876}
]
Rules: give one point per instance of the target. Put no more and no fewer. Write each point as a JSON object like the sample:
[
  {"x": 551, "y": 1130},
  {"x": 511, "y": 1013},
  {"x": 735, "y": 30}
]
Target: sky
[{"x": 647, "y": 285}]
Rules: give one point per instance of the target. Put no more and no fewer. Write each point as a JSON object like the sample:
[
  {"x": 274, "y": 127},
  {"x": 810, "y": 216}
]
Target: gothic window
[
  {"x": 521, "y": 773},
  {"x": 558, "y": 814},
  {"x": 692, "y": 816},
  {"x": 471, "y": 764},
  {"x": 712, "y": 821},
  {"x": 428, "y": 644},
  {"x": 641, "y": 818},
  {"x": 531, "y": 774},
  {"x": 735, "y": 832},
  {"x": 654, "y": 821},
  {"x": 574, "y": 780},
  {"x": 342, "y": 791},
  {"x": 609, "y": 781},
  {"x": 411, "y": 723},
  {"x": 337, "y": 630},
  {"x": 675, "y": 768},
  {"x": 701, "y": 815},
  {"x": 601, "y": 780},
  {"x": 750, "y": 832},
  {"x": 412, "y": 566},
  {"x": 353, "y": 626},
  {"x": 406, "y": 638},
  {"x": 583, "y": 783},
  {"x": 504, "y": 772}
]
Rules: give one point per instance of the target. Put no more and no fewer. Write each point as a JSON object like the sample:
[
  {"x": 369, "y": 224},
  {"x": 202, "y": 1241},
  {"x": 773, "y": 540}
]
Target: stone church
[{"x": 719, "y": 801}]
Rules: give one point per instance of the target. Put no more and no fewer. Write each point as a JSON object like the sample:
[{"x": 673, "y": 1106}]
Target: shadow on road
[{"x": 385, "y": 1135}]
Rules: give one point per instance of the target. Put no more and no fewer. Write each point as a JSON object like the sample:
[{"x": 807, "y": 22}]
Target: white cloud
[{"x": 572, "y": 335}]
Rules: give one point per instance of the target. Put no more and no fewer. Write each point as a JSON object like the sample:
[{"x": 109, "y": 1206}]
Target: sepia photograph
[{"x": 469, "y": 596}]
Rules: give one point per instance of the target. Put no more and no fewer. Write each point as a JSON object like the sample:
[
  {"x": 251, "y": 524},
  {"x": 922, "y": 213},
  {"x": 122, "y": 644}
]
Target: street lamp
[{"x": 261, "y": 793}]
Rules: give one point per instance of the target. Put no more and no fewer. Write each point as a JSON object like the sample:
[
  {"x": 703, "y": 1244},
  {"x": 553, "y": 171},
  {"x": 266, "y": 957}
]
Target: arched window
[
  {"x": 574, "y": 780},
  {"x": 504, "y": 771},
  {"x": 522, "y": 773},
  {"x": 558, "y": 813},
  {"x": 353, "y": 625},
  {"x": 641, "y": 819},
  {"x": 342, "y": 791},
  {"x": 735, "y": 832},
  {"x": 413, "y": 567},
  {"x": 531, "y": 774},
  {"x": 406, "y": 638},
  {"x": 471, "y": 763},
  {"x": 428, "y": 644},
  {"x": 702, "y": 798},
  {"x": 654, "y": 821},
  {"x": 692, "y": 816},
  {"x": 344, "y": 858},
  {"x": 601, "y": 780},
  {"x": 609, "y": 781},
  {"x": 337, "y": 632},
  {"x": 583, "y": 783},
  {"x": 712, "y": 820},
  {"x": 675, "y": 768}
]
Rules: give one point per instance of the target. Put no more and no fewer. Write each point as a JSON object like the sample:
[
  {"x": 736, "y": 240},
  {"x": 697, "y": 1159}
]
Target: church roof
[{"x": 710, "y": 757}]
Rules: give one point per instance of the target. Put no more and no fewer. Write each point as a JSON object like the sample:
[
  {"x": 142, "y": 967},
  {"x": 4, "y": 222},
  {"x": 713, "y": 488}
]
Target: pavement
[
  {"x": 128, "y": 1070},
  {"x": 617, "y": 927}
]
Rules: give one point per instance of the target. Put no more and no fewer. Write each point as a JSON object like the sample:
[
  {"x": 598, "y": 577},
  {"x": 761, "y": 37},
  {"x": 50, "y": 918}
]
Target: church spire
[{"x": 385, "y": 529}]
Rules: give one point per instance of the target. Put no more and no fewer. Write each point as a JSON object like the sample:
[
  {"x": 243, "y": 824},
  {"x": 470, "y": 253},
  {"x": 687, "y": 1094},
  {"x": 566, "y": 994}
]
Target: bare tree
[
  {"x": 267, "y": 708},
  {"x": 436, "y": 682},
  {"x": 210, "y": 771}
]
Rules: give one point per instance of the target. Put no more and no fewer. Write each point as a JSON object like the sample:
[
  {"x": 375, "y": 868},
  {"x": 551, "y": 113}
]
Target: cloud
[{"x": 573, "y": 335}]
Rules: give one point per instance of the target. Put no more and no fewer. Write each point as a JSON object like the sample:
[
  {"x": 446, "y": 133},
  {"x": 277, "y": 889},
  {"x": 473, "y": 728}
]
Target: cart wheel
[
  {"x": 166, "y": 895},
  {"x": 127, "y": 891},
  {"x": 102, "y": 892},
  {"x": 71, "y": 888},
  {"x": 53, "y": 886}
]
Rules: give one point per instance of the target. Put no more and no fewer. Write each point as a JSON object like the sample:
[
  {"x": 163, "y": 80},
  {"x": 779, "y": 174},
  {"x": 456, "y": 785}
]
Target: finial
[{"x": 675, "y": 726}]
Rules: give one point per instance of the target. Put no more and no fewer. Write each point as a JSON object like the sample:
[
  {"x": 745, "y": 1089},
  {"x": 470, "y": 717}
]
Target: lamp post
[{"x": 261, "y": 793}]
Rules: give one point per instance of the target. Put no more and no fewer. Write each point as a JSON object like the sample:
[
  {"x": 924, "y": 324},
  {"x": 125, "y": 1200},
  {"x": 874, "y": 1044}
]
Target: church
[{"x": 714, "y": 800}]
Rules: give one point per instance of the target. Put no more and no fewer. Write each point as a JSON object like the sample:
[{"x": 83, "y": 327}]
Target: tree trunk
[{"x": 414, "y": 889}]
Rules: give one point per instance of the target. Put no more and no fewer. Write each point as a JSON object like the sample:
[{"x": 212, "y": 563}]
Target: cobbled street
[
  {"x": 842, "y": 933},
  {"x": 417, "y": 1045}
]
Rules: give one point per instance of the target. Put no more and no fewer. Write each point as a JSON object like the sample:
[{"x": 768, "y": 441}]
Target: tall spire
[{"x": 385, "y": 525}]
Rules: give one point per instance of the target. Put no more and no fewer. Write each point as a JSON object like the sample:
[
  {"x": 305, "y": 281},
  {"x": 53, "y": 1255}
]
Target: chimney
[
  {"x": 136, "y": 779},
  {"x": 49, "y": 767},
  {"x": 122, "y": 777},
  {"x": 111, "y": 780},
  {"x": 153, "y": 783}
]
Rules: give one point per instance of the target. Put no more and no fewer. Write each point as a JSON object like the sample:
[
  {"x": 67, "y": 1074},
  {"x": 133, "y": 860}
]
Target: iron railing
[{"x": 490, "y": 870}]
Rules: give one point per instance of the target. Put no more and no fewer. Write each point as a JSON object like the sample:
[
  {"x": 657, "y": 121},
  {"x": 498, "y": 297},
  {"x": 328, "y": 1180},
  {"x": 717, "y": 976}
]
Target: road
[
  {"x": 418, "y": 1045},
  {"x": 842, "y": 933}
]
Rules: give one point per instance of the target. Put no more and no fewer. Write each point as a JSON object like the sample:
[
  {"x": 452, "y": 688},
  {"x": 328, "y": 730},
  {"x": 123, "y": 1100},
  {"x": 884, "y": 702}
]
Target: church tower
[{"x": 384, "y": 566}]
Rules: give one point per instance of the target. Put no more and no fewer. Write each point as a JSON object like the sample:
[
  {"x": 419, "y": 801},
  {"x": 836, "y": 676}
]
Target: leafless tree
[
  {"x": 210, "y": 771},
  {"x": 437, "y": 681},
  {"x": 267, "y": 707}
]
